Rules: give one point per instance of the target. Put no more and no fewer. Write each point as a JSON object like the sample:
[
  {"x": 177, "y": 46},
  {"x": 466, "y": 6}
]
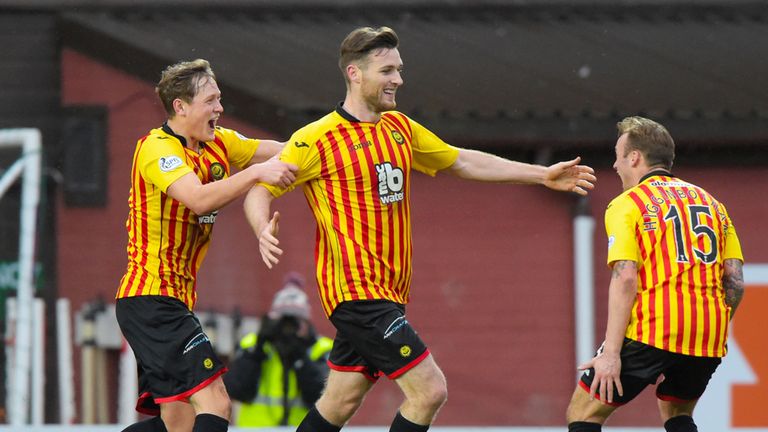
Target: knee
[
  {"x": 342, "y": 405},
  {"x": 432, "y": 397}
]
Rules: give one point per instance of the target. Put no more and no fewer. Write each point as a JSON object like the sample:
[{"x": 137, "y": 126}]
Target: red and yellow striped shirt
[
  {"x": 356, "y": 178},
  {"x": 679, "y": 235},
  {"x": 166, "y": 241}
]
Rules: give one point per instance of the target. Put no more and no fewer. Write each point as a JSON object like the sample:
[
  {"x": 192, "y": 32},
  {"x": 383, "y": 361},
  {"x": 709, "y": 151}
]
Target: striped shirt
[
  {"x": 356, "y": 178},
  {"x": 679, "y": 235},
  {"x": 167, "y": 242}
]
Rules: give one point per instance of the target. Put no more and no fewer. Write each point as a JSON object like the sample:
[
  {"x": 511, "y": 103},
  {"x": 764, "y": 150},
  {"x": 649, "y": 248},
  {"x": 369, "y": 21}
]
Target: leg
[
  {"x": 425, "y": 392},
  {"x": 212, "y": 399},
  {"x": 677, "y": 415},
  {"x": 212, "y": 407},
  {"x": 586, "y": 414},
  {"x": 177, "y": 416},
  {"x": 343, "y": 395}
]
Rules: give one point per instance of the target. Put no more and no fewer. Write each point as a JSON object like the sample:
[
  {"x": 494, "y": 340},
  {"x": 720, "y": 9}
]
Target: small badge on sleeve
[{"x": 170, "y": 163}]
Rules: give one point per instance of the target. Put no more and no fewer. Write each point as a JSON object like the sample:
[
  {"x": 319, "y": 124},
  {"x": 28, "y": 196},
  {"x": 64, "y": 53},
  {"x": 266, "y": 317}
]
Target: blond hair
[
  {"x": 649, "y": 138},
  {"x": 182, "y": 81}
]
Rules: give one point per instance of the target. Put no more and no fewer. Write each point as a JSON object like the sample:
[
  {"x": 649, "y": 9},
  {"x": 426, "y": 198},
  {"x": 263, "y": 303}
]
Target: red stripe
[
  {"x": 667, "y": 262},
  {"x": 332, "y": 200},
  {"x": 358, "y": 195},
  {"x": 644, "y": 273},
  {"x": 409, "y": 366},
  {"x": 374, "y": 264},
  {"x": 396, "y": 284},
  {"x": 385, "y": 272},
  {"x": 704, "y": 286},
  {"x": 325, "y": 174},
  {"x": 335, "y": 152},
  {"x": 361, "y": 369},
  {"x": 399, "y": 122},
  {"x": 185, "y": 395},
  {"x": 404, "y": 219},
  {"x": 648, "y": 257}
]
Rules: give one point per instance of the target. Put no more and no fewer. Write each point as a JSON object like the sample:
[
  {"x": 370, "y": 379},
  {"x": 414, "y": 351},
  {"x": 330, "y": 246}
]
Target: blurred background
[{"x": 509, "y": 283}]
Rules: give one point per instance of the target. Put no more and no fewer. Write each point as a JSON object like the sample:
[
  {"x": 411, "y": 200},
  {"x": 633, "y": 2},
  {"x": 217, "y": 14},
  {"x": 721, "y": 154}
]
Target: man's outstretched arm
[{"x": 567, "y": 176}]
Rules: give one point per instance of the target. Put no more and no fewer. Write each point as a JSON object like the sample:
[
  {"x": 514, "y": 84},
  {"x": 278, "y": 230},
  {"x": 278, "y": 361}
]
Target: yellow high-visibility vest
[{"x": 267, "y": 409}]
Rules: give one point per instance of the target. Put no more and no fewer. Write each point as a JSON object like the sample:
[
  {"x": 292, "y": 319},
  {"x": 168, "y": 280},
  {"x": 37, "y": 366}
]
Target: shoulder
[
  {"x": 318, "y": 128},
  {"x": 624, "y": 203}
]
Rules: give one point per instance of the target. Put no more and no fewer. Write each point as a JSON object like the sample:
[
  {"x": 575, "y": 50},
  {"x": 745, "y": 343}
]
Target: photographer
[{"x": 280, "y": 372}]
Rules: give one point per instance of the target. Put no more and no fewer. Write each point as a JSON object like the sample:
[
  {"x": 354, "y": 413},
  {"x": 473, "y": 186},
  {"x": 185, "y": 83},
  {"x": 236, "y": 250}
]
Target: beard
[{"x": 377, "y": 104}]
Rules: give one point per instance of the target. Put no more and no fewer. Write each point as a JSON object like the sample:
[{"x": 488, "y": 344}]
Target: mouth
[{"x": 212, "y": 123}]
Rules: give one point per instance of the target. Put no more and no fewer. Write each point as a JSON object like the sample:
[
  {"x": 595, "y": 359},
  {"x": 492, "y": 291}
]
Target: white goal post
[{"x": 27, "y": 167}]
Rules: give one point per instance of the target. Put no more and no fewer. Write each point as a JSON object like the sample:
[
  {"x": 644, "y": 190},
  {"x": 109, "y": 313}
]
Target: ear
[
  {"x": 179, "y": 106},
  {"x": 354, "y": 73},
  {"x": 635, "y": 157}
]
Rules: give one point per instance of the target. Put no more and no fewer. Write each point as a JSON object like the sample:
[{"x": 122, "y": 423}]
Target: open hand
[{"x": 569, "y": 176}]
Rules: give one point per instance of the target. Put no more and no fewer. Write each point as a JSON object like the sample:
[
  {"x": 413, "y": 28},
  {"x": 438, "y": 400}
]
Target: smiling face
[
  {"x": 196, "y": 119},
  {"x": 379, "y": 79}
]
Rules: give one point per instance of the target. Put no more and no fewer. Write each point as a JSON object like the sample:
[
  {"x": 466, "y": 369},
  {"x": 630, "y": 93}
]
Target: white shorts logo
[{"x": 169, "y": 163}]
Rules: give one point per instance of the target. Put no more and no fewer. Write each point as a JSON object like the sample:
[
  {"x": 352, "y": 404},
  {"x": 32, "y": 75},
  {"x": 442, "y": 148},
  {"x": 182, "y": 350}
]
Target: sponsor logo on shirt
[
  {"x": 207, "y": 219},
  {"x": 170, "y": 163},
  {"x": 611, "y": 241},
  {"x": 391, "y": 181}
]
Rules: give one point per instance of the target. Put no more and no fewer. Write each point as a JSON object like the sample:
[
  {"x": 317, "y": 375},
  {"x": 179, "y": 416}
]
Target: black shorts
[
  {"x": 373, "y": 337},
  {"x": 174, "y": 356},
  {"x": 685, "y": 377}
]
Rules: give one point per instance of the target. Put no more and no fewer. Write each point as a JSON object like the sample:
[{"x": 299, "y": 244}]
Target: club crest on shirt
[
  {"x": 398, "y": 137},
  {"x": 169, "y": 163},
  {"x": 217, "y": 171}
]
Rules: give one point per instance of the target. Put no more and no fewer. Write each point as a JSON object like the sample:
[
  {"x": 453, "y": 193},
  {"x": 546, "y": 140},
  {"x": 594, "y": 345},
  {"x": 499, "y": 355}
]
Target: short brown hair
[
  {"x": 649, "y": 138},
  {"x": 181, "y": 81},
  {"x": 361, "y": 41}
]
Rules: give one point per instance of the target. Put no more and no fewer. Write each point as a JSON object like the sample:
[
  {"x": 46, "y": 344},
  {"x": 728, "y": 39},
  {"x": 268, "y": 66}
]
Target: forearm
[
  {"x": 480, "y": 166},
  {"x": 621, "y": 296},
  {"x": 733, "y": 283},
  {"x": 256, "y": 206}
]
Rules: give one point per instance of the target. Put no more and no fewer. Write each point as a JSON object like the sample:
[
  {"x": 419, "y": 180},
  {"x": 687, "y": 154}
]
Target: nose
[
  {"x": 398, "y": 79},
  {"x": 219, "y": 108}
]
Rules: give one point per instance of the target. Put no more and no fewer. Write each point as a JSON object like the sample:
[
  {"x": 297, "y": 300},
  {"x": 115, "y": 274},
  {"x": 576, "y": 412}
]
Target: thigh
[
  {"x": 422, "y": 379},
  {"x": 375, "y": 337}
]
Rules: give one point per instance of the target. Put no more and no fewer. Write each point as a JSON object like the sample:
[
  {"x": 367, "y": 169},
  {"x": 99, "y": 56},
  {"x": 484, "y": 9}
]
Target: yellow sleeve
[
  {"x": 240, "y": 149},
  {"x": 620, "y": 222},
  {"x": 732, "y": 244},
  {"x": 430, "y": 153},
  {"x": 162, "y": 161},
  {"x": 301, "y": 150}
]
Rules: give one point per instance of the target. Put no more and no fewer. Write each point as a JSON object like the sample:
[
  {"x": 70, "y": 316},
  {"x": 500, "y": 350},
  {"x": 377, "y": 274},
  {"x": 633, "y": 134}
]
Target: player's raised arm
[
  {"x": 257, "y": 209},
  {"x": 566, "y": 176}
]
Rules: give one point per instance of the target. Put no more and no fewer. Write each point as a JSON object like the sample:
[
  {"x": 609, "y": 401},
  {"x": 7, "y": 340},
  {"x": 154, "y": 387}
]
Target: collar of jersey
[
  {"x": 657, "y": 172},
  {"x": 167, "y": 129},
  {"x": 347, "y": 116}
]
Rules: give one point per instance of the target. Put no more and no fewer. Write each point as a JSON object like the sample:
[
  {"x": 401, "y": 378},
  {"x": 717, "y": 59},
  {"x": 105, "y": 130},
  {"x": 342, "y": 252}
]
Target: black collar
[
  {"x": 347, "y": 116},
  {"x": 167, "y": 129},
  {"x": 656, "y": 172}
]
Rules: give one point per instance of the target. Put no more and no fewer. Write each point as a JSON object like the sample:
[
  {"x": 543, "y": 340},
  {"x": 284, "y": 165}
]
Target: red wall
[{"x": 492, "y": 287}]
